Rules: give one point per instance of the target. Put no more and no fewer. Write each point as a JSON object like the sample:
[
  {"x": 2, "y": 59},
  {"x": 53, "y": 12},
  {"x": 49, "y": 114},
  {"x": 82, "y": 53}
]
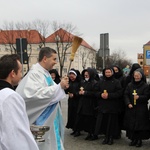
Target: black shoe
[
  {"x": 89, "y": 136},
  {"x": 73, "y": 133},
  {"x": 139, "y": 143},
  {"x": 77, "y": 134},
  {"x": 94, "y": 137},
  {"x": 133, "y": 143},
  {"x": 111, "y": 141},
  {"x": 105, "y": 141}
]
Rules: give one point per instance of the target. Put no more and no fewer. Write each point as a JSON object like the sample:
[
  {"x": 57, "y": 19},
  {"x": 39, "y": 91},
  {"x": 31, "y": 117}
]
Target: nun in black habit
[
  {"x": 108, "y": 94},
  {"x": 86, "y": 108},
  {"x": 136, "y": 121},
  {"x": 73, "y": 98}
]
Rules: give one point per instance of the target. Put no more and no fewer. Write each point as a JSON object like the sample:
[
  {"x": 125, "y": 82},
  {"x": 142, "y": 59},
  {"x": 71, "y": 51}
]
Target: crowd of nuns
[{"x": 108, "y": 104}]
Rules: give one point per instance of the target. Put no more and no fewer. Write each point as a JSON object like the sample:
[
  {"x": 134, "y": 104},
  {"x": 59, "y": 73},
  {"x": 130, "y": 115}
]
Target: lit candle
[
  {"x": 105, "y": 91},
  {"x": 81, "y": 88}
]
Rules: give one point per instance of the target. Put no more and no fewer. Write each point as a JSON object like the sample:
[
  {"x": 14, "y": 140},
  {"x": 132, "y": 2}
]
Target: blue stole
[{"x": 47, "y": 112}]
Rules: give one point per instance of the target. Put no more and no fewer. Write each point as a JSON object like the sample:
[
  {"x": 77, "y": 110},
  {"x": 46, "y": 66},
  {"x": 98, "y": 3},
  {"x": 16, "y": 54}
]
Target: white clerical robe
[
  {"x": 15, "y": 131},
  {"x": 39, "y": 95}
]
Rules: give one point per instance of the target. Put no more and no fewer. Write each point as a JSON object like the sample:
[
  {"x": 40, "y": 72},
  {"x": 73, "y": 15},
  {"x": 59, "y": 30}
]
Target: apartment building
[{"x": 60, "y": 40}]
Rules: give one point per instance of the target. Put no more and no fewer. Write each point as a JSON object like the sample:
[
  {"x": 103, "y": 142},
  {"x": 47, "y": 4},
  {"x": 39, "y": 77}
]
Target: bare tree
[
  {"x": 43, "y": 28},
  {"x": 93, "y": 56},
  {"x": 93, "y": 59},
  {"x": 63, "y": 36},
  {"x": 87, "y": 55},
  {"x": 25, "y": 30},
  {"x": 118, "y": 58},
  {"x": 63, "y": 39}
]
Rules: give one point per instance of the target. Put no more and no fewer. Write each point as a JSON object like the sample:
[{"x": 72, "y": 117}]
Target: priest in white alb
[{"x": 42, "y": 96}]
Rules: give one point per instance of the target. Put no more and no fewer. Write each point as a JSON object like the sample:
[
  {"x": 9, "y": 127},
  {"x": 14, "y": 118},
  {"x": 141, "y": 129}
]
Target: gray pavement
[{"x": 78, "y": 143}]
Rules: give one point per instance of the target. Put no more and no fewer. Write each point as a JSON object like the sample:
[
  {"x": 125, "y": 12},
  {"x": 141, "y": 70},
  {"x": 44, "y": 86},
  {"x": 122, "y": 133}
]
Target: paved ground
[{"x": 78, "y": 143}]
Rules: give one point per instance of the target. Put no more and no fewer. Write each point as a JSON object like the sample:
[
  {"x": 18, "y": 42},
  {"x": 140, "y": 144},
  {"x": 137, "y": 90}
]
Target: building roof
[
  {"x": 64, "y": 36},
  {"x": 148, "y": 43},
  {"x": 10, "y": 36},
  {"x": 34, "y": 37}
]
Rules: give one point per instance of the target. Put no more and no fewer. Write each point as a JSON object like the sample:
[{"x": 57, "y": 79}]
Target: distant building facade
[
  {"x": 140, "y": 59},
  {"x": 146, "y": 58},
  {"x": 84, "y": 57}
]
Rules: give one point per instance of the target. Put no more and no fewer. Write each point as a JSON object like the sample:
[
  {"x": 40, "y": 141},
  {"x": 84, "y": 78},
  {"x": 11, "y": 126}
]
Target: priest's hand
[{"x": 64, "y": 83}]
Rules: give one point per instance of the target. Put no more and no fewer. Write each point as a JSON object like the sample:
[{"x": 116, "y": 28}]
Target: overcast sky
[{"x": 126, "y": 21}]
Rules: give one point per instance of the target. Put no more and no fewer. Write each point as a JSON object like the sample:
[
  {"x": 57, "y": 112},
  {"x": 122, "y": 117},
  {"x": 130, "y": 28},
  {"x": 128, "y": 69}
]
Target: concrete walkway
[{"x": 78, "y": 143}]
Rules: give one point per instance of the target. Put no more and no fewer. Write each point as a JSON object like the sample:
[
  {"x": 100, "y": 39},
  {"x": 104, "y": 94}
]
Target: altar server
[{"x": 15, "y": 131}]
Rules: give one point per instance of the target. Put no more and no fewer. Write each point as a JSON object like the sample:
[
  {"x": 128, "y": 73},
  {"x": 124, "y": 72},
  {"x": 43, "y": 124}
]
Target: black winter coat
[
  {"x": 74, "y": 87},
  {"x": 73, "y": 103},
  {"x": 137, "y": 118},
  {"x": 114, "y": 89},
  {"x": 87, "y": 102}
]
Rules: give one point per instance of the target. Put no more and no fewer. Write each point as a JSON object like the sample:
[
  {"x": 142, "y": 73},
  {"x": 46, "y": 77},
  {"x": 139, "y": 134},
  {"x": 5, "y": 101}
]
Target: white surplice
[
  {"x": 15, "y": 131},
  {"x": 38, "y": 95}
]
